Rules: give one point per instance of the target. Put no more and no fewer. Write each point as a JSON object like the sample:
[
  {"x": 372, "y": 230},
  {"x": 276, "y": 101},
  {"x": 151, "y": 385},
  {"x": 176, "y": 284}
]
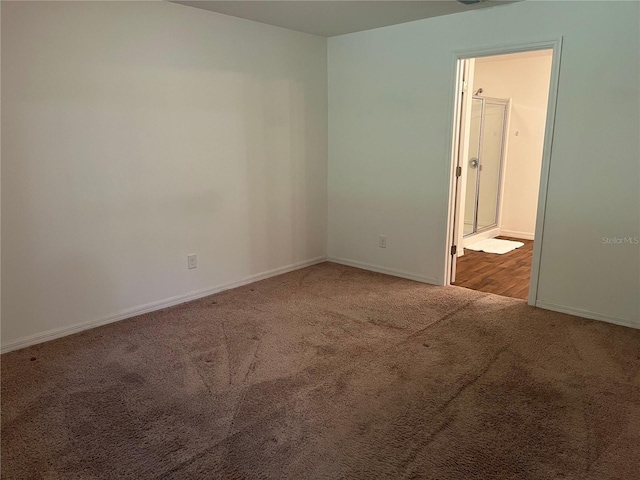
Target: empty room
[{"x": 235, "y": 237}]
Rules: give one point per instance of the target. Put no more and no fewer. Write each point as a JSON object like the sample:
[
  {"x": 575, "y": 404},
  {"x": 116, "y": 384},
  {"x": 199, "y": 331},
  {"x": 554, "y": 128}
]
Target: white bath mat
[{"x": 494, "y": 245}]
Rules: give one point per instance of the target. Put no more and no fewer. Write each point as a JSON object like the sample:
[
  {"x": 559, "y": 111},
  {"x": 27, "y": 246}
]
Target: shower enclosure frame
[
  {"x": 458, "y": 86},
  {"x": 501, "y": 167}
]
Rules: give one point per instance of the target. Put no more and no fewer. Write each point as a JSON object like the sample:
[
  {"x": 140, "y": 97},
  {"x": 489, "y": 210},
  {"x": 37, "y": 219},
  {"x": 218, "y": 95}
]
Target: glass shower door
[
  {"x": 475, "y": 133},
  {"x": 484, "y": 167},
  {"x": 490, "y": 165}
]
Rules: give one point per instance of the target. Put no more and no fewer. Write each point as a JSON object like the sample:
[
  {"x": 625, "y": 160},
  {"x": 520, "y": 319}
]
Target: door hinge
[
  {"x": 454, "y": 249},
  {"x": 458, "y": 171}
]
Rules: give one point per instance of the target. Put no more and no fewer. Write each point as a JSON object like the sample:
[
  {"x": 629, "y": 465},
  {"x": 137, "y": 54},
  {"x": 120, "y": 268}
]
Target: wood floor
[{"x": 506, "y": 274}]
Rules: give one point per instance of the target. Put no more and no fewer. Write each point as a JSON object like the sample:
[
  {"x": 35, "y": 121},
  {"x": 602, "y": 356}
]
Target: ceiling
[{"x": 337, "y": 17}]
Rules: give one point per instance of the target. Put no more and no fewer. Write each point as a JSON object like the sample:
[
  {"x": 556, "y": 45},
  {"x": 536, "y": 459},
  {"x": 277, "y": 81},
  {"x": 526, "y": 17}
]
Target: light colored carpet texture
[{"x": 329, "y": 372}]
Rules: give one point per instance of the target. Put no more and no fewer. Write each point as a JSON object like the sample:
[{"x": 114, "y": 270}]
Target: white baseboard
[
  {"x": 151, "y": 307},
  {"x": 587, "y": 314},
  {"x": 389, "y": 271},
  {"x": 515, "y": 234}
]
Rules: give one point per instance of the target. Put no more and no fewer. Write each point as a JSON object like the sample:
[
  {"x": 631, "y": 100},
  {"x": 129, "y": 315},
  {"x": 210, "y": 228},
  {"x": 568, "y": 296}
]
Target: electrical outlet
[
  {"x": 382, "y": 241},
  {"x": 192, "y": 261}
]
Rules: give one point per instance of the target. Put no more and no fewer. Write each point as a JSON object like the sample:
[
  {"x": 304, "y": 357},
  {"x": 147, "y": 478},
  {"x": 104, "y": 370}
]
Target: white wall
[
  {"x": 390, "y": 101},
  {"x": 523, "y": 78},
  {"x": 136, "y": 133}
]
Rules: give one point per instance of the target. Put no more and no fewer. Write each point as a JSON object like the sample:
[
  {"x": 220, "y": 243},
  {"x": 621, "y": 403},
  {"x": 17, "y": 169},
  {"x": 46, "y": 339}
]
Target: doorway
[{"x": 501, "y": 147}]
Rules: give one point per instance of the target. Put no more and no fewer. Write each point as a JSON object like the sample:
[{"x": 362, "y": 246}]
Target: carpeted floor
[{"x": 329, "y": 372}]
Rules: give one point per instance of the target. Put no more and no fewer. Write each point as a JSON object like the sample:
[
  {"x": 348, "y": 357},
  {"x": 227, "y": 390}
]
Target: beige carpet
[{"x": 329, "y": 373}]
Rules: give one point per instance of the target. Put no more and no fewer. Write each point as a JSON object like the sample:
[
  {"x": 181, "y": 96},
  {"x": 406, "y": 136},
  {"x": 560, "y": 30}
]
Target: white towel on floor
[{"x": 495, "y": 245}]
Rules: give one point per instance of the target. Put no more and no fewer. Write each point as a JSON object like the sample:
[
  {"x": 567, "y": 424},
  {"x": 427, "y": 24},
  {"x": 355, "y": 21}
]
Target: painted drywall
[
  {"x": 135, "y": 133},
  {"x": 523, "y": 78},
  {"x": 390, "y": 116}
]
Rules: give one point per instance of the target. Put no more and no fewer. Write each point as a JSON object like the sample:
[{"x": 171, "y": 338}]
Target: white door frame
[{"x": 554, "y": 44}]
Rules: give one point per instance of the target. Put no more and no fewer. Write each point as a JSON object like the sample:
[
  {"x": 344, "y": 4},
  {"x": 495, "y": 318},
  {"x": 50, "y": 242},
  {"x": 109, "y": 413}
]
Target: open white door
[{"x": 461, "y": 147}]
